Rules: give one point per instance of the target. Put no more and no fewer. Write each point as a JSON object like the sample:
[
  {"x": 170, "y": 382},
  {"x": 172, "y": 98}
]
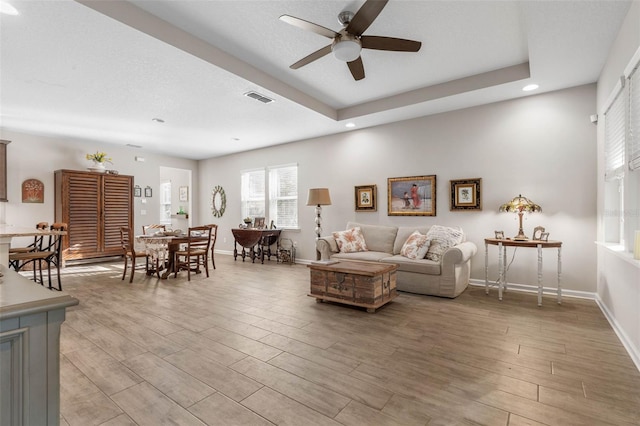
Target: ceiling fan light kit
[
  {"x": 346, "y": 49},
  {"x": 347, "y": 44}
]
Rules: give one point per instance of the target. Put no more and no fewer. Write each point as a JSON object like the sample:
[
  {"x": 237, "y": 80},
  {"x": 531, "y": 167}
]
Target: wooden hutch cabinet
[{"x": 95, "y": 206}]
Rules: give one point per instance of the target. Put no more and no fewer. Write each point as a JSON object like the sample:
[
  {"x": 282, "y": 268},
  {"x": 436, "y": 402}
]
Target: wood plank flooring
[{"x": 247, "y": 346}]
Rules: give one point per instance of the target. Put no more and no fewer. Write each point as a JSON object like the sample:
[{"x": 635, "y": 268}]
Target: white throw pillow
[
  {"x": 442, "y": 238},
  {"x": 350, "y": 241},
  {"x": 416, "y": 246}
]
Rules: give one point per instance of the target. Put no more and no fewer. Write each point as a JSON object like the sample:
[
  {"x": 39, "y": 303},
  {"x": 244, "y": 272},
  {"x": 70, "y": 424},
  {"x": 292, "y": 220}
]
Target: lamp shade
[
  {"x": 520, "y": 204},
  {"x": 319, "y": 197}
]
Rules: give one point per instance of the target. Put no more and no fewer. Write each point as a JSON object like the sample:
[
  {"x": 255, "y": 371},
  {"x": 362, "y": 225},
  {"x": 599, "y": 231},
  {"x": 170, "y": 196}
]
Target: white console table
[
  {"x": 30, "y": 319},
  {"x": 502, "y": 262}
]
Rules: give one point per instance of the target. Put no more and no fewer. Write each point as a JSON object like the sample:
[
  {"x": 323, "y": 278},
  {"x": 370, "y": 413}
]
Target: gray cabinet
[{"x": 30, "y": 319}]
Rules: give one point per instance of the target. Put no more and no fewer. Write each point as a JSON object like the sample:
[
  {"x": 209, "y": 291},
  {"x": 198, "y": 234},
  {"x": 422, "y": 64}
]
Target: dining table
[{"x": 162, "y": 248}]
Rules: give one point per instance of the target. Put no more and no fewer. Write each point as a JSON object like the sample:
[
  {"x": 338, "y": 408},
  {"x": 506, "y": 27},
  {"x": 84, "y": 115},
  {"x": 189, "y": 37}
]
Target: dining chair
[
  {"x": 153, "y": 228},
  {"x": 196, "y": 252},
  {"x": 50, "y": 254},
  {"x": 214, "y": 235},
  {"x": 129, "y": 252},
  {"x": 37, "y": 241}
]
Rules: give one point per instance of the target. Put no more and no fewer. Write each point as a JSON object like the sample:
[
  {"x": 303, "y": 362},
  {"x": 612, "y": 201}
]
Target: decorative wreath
[{"x": 218, "y": 211}]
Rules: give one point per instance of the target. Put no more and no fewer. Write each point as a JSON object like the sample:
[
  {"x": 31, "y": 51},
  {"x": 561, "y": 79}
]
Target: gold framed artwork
[
  {"x": 411, "y": 196},
  {"x": 466, "y": 194},
  {"x": 366, "y": 198}
]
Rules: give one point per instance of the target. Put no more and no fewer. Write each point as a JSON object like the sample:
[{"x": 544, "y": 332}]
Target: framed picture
[
  {"x": 366, "y": 198},
  {"x": 184, "y": 193},
  {"x": 499, "y": 235},
  {"x": 466, "y": 194},
  {"x": 258, "y": 222},
  {"x": 411, "y": 196},
  {"x": 147, "y": 192},
  {"x": 137, "y": 191}
]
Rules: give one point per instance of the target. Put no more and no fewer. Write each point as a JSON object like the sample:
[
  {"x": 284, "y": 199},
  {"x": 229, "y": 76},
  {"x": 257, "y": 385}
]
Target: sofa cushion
[
  {"x": 368, "y": 256},
  {"x": 378, "y": 237},
  {"x": 416, "y": 246},
  {"x": 420, "y": 266},
  {"x": 404, "y": 232},
  {"x": 442, "y": 238},
  {"x": 351, "y": 240}
]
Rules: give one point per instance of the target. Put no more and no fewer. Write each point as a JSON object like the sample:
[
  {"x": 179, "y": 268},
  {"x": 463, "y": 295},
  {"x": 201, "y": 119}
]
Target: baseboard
[
  {"x": 633, "y": 352},
  {"x": 526, "y": 288}
]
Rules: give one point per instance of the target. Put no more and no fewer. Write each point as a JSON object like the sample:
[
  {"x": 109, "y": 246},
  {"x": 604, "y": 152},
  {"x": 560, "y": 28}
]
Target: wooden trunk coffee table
[{"x": 365, "y": 284}]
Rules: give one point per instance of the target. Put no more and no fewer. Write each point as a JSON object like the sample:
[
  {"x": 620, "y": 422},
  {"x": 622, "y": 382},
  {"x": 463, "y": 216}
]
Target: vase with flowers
[{"x": 99, "y": 159}]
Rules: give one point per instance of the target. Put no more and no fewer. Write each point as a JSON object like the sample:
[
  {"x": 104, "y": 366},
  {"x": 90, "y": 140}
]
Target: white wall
[
  {"x": 32, "y": 156},
  {"x": 618, "y": 274},
  {"x": 542, "y": 146}
]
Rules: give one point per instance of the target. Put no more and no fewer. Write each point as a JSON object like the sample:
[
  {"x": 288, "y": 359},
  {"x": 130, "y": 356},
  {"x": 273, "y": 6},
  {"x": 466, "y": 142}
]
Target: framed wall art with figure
[{"x": 411, "y": 196}]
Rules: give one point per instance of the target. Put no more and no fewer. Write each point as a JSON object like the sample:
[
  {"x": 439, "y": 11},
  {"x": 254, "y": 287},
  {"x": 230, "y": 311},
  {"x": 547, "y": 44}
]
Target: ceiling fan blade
[
  {"x": 357, "y": 68},
  {"x": 310, "y": 58},
  {"x": 390, "y": 43},
  {"x": 309, "y": 26},
  {"x": 365, "y": 16}
]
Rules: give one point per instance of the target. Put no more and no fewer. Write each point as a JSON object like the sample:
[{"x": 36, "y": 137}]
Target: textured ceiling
[{"x": 101, "y": 70}]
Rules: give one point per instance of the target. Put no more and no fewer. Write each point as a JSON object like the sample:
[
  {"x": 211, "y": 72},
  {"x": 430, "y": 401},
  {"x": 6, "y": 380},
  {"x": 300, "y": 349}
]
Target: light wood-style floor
[{"x": 249, "y": 347}]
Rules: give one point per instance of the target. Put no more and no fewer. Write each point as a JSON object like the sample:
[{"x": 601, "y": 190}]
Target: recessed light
[
  {"x": 7, "y": 9},
  {"x": 350, "y": 125},
  {"x": 235, "y": 139},
  {"x": 530, "y": 87},
  {"x": 158, "y": 120}
]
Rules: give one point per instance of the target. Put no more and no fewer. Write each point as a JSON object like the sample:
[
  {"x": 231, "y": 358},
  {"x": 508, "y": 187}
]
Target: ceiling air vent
[{"x": 258, "y": 97}]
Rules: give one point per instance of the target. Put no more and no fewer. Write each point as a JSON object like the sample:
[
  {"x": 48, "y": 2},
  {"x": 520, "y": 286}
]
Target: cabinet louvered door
[
  {"x": 94, "y": 206},
  {"x": 83, "y": 215},
  {"x": 117, "y": 199}
]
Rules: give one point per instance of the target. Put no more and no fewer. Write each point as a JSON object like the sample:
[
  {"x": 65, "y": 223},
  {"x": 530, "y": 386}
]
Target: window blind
[
  {"x": 253, "y": 193},
  {"x": 614, "y": 137},
  {"x": 283, "y": 195},
  {"x": 634, "y": 119}
]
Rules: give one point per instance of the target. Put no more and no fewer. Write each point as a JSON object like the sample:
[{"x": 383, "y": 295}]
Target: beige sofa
[{"x": 447, "y": 278}]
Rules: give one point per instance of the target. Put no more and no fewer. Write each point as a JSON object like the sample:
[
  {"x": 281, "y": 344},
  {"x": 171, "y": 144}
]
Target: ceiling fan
[{"x": 348, "y": 42}]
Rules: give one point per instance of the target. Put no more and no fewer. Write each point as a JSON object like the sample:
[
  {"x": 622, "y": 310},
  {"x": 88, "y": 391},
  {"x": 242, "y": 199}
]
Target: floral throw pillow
[
  {"x": 442, "y": 238},
  {"x": 416, "y": 246},
  {"x": 351, "y": 240}
]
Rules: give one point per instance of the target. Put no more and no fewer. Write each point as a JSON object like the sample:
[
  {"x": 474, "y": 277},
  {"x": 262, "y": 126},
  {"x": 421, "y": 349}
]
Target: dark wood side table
[
  {"x": 502, "y": 262},
  {"x": 255, "y": 243}
]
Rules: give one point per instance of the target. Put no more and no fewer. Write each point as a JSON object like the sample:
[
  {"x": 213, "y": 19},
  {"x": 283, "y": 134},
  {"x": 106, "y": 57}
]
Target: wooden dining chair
[
  {"x": 196, "y": 252},
  {"x": 153, "y": 228},
  {"x": 49, "y": 254},
  {"x": 214, "y": 235},
  {"x": 129, "y": 252},
  {"x": 37, "y": 241}
]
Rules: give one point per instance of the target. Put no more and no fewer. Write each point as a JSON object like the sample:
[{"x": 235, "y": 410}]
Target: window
[
  {"x": 634, "y": 119},
  {"x": 283, "y": 196},
  {"x": 281, "y": 205},
  {"x": 253, "y": 193},
  {"x": 622, "y": 158},
  {"x": 165, "y": 203}
]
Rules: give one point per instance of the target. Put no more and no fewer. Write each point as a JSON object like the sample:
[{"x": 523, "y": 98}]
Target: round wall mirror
[{"x": 218, "y": 201}]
